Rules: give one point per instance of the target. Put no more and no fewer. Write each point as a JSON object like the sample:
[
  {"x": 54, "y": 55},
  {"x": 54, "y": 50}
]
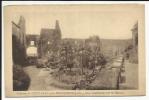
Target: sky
[{"x": 80, "y": 21}]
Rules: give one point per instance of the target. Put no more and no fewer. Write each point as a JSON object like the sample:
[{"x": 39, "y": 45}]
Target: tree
[
  {"x": 101, "y": 60},
  {"x": 67, "y": 56}
]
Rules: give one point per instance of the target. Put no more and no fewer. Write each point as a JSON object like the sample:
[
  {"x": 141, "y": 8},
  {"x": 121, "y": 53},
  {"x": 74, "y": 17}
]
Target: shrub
[{"x": 21, "y": 80}]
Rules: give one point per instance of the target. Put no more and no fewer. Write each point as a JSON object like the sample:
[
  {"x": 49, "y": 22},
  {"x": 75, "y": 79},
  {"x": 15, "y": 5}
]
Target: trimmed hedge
[{"x": 21, "y": 80}]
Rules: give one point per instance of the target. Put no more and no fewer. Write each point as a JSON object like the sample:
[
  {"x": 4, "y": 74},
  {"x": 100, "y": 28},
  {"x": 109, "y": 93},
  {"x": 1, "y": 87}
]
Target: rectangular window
[{"x": 32, "y": 43}]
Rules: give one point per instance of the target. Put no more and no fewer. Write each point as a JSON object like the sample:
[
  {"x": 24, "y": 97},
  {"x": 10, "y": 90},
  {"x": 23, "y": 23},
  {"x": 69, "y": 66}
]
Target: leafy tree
[
  {"x": 67, "y": 56},
  {"x": 101, "y": 60}
]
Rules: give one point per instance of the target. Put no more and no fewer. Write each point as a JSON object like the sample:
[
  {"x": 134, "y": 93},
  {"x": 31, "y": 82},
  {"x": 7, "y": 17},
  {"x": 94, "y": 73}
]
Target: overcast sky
[{"x": 80, "y": 21}]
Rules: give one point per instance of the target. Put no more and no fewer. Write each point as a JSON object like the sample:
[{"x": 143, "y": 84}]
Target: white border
[
  {"x": 4, "y": 3},
  {"x": 67, "y": 2}
]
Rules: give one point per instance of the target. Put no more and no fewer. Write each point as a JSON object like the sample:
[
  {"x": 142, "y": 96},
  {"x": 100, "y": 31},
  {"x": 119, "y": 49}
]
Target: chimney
[
  {"x": 57, "y": 28},
  {"x": 57, "y": 25}
]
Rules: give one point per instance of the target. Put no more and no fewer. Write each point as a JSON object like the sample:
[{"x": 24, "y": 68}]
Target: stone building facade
[
  {"x": 32, "y": 39},
  {"x": 133, "y": 50},
  {"x": 49, "y": 40},
  {"x": 135, "y": 35},
  {"x": 19, "y": 42}
]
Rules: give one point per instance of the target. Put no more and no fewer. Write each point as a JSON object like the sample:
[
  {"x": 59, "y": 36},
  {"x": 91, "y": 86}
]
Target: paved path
[
  {"x": 40, "y": 78},
  {"x": 37, "y": 81}
]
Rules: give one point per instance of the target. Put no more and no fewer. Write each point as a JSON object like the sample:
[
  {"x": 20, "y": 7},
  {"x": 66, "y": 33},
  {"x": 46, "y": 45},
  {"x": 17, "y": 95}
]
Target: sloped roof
[{"x": 45, "y": 32}]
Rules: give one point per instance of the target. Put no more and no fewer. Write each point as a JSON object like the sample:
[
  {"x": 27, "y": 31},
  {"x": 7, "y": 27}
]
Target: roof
[{"x": 46, "y": 32}]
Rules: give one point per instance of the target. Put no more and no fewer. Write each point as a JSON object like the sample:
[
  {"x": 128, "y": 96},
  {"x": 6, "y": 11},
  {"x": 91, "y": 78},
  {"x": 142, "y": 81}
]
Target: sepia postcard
[{"x": 74, "y": 50}]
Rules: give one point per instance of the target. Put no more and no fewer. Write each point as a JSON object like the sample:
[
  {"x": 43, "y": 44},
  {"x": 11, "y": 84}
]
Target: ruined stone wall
[{"x": 18, "y": 44}]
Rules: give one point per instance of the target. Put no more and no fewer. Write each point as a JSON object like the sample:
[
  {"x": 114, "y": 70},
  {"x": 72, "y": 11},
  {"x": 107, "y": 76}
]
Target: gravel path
[{"x": 40, "y": 78}]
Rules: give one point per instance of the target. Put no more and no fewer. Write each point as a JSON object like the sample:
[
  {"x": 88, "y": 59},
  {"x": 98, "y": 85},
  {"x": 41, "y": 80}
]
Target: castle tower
[
  {"x": 21, "y": 24},
  {"x": 19, "y": 42}
]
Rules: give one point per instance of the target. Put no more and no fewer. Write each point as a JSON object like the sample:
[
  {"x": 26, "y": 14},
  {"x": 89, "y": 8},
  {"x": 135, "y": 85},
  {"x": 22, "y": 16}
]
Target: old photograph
[{"x": 75, "y": 47}]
